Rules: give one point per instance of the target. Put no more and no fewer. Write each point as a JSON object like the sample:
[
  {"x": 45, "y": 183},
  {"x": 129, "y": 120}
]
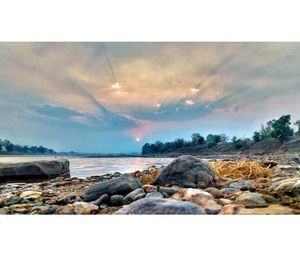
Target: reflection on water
[{"x": 84, "y": 167}]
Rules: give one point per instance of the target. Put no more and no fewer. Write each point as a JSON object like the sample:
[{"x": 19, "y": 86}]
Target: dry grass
[
  {"x": 147, "y": 176},
  {"x": 243, "y": 169}
]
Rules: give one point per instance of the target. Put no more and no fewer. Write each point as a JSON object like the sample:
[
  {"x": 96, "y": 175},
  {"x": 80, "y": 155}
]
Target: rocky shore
[{"x": 188, "y": 185}]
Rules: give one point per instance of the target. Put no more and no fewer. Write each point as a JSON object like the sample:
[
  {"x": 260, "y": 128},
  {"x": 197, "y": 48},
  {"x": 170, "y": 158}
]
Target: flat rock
[
  {"x": 134, "y": 195},
  {"x": 287, "y": 186},
  {"x": 160, "y": 206},
  {"x": 84, "y": 208},
  {"x": 31, "y": 195},
  {"x": 216, "y": 193},
  {"x": 250, "y": 199},
  {"x": 32, "y": 170},
  {"x": 274, "y": 209},
  {"x": 241, "y": 184},
  {"x": 187, "y": 171},
  {"x": 117, "y": 186}
]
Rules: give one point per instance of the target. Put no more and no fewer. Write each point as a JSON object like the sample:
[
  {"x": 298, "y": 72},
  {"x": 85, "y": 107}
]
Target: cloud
[{"x": 189, "y": 102}]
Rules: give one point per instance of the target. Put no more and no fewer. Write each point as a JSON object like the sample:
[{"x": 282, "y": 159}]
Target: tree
[
  {"x": 1, "y": 145},
  {"x": 197, "y": 139},
  {"x": 266, "y": 131},
  {"x": 179, "y": 143},
  {"x": 148, "y": 149},
  {"x": 256, "y": 136},
  {"x": 297, "y": 123},
  {"x": 8, "y": 145},
  {"x": 281, "y": 128}
]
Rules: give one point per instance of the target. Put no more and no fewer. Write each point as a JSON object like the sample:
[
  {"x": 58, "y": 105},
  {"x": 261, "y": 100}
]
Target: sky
[{"x": 114, "y": 97}]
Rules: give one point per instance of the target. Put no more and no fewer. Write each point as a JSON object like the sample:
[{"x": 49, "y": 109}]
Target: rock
[
  {"x": 199, "y": 197},
  {"x": 269, "y": 199},
  {"x": 241, "y": 184},
  {"x": 31, "y": 170},
  {"x": 47, "y": 209},
  {"x": 69, "y": 199},
  {"x": 13, "y": 200},
  {"x": 251, "y": 199},
  {"x": 31, "y": 195},
  {"x": 273, "y": 209},
  {"x": 4, "y": 211},
  {"x": 116, "y": 200},
  {"x": 67, "y": 209},
  {"x": 187, "y": 171},
  {"x": 149, "y": 188},
  {"x": 169, "y": 190},
  {"x": 287, "y": 186},
  {"x": 102, "y": 199},
  {"x": 229, "y": 191},
  {"x": 155, "y": 194},
  {"x": 20, "y": 208},
  {"x": 120, "y": 186},
  {"x": 160, "y": 206},
  {"x": 216, "y": 193},
  {"x": 134, "y": 195},
  {"x": 230, "y": 209},
  {"x": 224, "y": 201},
  {"x": 84, "y": 208}
]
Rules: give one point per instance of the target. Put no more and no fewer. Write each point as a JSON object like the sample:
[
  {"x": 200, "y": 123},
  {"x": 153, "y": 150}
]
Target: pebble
[
  {"x": 251, "y": 199},
  {"x": 116, "y": 200},
  {"x": 134, "y": 195},
  {"x": 155, "y": 194},
  {"x": 215, "y": 192},
  {"x": 149, "y": 188}
]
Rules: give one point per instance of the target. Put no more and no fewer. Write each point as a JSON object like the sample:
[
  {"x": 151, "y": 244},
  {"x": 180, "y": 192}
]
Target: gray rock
[
  {"x": 169, "y": 190},
  {"x": 229, "y": 191},
  {"x": 120, "y": 186},
  {"x": 160, "y": 206},
  {"x": 102, "y": 199},
  {"x": 116, "y": 200},
  {"x": 134, "y": 195},
  {"x": 38, "y": 170},
  {"x": 154, "y": 194},
  {"x": 187, "y": 171},
  {"x": 241, "y": 184},
  {"x": 251, "y": 199}
]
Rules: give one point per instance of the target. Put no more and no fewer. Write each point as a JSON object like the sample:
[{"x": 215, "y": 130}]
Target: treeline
[
  {"x": 279, "y": 129},
  {"x": 7, "y": 147}
]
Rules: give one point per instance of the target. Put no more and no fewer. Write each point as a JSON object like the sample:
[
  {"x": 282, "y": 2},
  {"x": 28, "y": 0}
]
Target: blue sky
[{"x": 67, "y": 97}]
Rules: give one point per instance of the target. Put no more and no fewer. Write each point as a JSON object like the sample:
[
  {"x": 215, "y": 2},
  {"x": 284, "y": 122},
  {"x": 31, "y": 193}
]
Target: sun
[{"x": 137, "y": 139}]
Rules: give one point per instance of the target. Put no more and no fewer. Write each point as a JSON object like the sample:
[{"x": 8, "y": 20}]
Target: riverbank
[{"x": 237, "y": 187}]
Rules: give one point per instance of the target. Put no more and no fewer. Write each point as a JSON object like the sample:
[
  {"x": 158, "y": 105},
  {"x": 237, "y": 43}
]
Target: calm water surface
[{"x": 84, "y": 167}]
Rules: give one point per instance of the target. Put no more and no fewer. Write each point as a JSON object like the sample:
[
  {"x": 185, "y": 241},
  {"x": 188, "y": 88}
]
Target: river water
[{"x": 83, "y": 167}]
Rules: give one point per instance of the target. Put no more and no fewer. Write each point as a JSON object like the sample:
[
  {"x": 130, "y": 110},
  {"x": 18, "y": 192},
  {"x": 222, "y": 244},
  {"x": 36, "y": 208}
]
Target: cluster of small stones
[{"x": 277, "y": 195}]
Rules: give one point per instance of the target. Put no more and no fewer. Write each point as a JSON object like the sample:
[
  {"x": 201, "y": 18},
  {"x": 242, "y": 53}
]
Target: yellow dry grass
[
  {"x": 243, "y": 169},
  {"x": 147, "y": 176}
]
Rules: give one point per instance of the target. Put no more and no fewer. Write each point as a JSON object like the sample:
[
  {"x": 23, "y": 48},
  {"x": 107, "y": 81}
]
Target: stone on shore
[
  {"x": 155, "y": 194},
  {"x": 160, "y": 206},
  {"x": 251, "y": 199},
  {"x": 38, "y": 170},
  {"x": 120, "y": 186},
  {"x": 199, "y": 197},
  {"x": 187, "y": 171},
  {"x": 134, "y": 195}
]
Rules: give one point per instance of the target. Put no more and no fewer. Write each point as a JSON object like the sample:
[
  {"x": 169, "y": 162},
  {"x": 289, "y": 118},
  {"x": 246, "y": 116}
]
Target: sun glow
[{"x": 137, "y": 139}]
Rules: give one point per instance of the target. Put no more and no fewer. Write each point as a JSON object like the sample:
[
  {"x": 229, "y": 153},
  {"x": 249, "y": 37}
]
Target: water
[{"x": 84, "y": 167}]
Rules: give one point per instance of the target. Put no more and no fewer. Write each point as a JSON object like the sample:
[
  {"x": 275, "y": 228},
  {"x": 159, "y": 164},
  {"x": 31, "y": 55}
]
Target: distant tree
[
  {"x": 159, "y": 146},
  {"x": 281, "y": 128},
  {"x": 148, "y": 149},
  {"x": 297, "y": 123},
  {"x": 256, "y": 136},
  {"x": 212, "y": 140},
  {"x": 197, "y": 139},
  {"x": 8, "y": 145},
  {"x": 1, "y": 145},
  {"x": 179, "y": 143},
  {"x": 267, "y": 131}
]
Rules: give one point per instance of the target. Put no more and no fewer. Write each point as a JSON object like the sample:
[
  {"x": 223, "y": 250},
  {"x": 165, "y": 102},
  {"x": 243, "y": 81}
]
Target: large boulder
[
  {"x": 117, "y": 186},
  {"x": 160, "y": 206},
  {"x": 38, "y": 170},
  {"x": 187, "y": 171}
]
